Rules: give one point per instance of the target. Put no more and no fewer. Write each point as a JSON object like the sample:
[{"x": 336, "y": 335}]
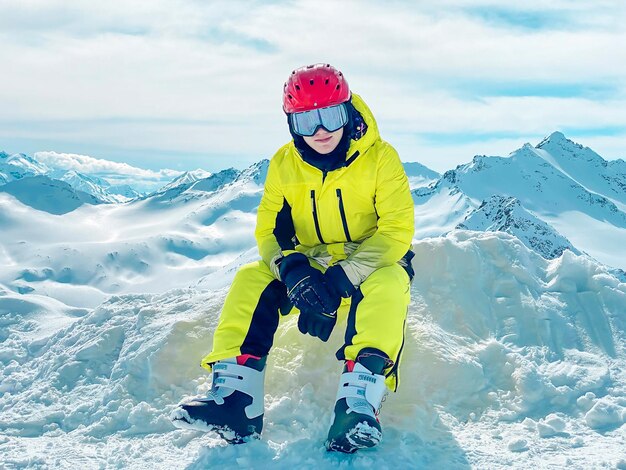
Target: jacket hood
[
  {"x": 372, "y": 134},
  {"x": 358, "y": 143}
]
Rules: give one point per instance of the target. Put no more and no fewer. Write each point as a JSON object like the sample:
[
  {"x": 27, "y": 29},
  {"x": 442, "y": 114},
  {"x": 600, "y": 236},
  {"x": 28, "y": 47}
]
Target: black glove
[
  {"x": 335, "y": 276},
  {"x": 321, "y": 324},
  {"x": 306, "y": 286},
  {"x": 317, "y": 324}
]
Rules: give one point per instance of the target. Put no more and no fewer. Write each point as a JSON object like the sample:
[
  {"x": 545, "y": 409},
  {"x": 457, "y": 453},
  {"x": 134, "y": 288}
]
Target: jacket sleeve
[
  {"x": 274, "y": 227},
  {"x": 396, "y": 222}
]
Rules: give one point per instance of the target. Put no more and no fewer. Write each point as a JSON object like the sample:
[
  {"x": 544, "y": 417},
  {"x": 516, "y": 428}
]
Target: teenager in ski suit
[{"x": 334, "y": 231}]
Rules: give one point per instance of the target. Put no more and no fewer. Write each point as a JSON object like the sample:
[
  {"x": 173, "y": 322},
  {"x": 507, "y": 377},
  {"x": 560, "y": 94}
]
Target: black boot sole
[
  {"x": 231, "y": 436},
  {"x": 361, "y": 436}
]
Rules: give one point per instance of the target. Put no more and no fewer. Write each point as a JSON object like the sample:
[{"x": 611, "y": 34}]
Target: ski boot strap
[
  {"x": 229, "y": 377},
  {"x": 362, "y": 384}
]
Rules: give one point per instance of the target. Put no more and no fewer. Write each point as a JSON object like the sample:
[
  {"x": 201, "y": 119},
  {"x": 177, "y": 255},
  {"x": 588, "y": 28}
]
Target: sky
[{"x": 171, "y": 85}]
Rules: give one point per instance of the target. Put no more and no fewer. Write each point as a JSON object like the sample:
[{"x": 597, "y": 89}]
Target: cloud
[
  {"x": 205, "y": 78},
  {"x": 117, "y": 173}
]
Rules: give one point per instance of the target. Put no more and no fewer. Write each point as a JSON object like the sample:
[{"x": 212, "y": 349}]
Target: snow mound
[{"x": 509, "y": 360}]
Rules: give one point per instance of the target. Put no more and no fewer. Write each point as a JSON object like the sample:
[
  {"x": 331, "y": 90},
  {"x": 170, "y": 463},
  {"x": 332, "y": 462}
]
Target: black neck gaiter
[{"x": 325, "y": 162}]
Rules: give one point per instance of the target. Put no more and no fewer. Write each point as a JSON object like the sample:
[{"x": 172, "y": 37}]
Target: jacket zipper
[
  {"x": 342, "y": 211},
  {"x": 317, "y": 223}
]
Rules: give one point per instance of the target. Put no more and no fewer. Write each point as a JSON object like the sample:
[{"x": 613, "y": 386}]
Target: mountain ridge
[{"x": 532, "y": 175}]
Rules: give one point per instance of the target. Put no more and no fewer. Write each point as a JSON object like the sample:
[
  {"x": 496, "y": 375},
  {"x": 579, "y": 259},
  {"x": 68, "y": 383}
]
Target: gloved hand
[
  {"x": 335, "y": 276},
  {"x": 321, "y": 324},
  {"x": 317, "y": 324},
  {"x": 306, "y": 287}
]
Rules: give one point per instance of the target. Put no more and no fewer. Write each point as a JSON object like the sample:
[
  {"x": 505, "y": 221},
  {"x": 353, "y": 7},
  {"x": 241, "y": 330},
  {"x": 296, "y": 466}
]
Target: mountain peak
[
  {"x": 185, "y": 180},
  {"x": 558, "y": 139},
  {"x": 257, "y": 172},
  {"x": 216, "y": 180},
  {"x": 19, "y": 165},
  {"x": 526, "y": 150},
  {"x": 557, "y": 136}
]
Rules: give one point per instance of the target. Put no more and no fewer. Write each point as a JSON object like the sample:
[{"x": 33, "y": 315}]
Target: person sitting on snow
[{"x": 334, "y": 231}]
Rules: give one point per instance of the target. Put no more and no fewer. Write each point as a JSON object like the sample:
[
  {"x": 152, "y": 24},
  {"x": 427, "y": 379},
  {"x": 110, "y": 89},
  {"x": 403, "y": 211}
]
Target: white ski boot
[
  {"x": 354, "y": 423},
  {"x": 234, "y": 405}
]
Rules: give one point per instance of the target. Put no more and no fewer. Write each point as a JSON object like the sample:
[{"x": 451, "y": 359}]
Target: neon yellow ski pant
[{"x": 376, "y": 316}]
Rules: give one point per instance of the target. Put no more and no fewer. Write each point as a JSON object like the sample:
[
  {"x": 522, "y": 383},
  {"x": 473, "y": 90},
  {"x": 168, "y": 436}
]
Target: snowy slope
[
  {"x": 506, "y": 214},
  {"x": 168, "y": 240},
  {"x": 93, "y": 185},
  {"x": 47, "y": 195},
  {"x": 419, "y": 175},
  {"x": 440, "y": 207},
  {"x": 194, "y": 230},
  {"x": 585, "y": 166},
  {"x": 186, "y": 179},
  {"x": 18, "y": 166},
  {"x": 510, "y": 361},
  {"x": 593, "y": 222}
]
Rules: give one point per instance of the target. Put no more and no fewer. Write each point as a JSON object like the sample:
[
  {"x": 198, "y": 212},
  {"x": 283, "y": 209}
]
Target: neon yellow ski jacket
[{"x": 360, "y": 215}]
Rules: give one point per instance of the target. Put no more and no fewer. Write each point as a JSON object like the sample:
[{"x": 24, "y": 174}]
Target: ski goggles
[{"x": 307, "y": 123}]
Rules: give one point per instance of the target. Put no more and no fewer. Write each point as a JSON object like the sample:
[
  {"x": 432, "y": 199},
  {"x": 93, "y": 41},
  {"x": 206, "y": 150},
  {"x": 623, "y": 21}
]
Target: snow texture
[
  {"x": 514, "y": 351},
  {"x": 510, "y": 360}
]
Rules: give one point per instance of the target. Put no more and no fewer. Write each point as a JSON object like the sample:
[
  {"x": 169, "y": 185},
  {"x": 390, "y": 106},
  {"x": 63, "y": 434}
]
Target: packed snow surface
[{"x": 510, "y": 361}]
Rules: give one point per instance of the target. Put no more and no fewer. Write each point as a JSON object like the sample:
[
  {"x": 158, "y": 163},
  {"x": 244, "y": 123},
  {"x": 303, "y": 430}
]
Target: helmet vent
[{"x": 313, "y": 87}]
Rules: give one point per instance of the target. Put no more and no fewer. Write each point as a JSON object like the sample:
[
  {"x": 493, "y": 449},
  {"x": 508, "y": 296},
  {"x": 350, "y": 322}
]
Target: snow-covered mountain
[
  {"x": 166, "y": 240},
  {"x": 93, "y": 185},
  {"x": 188, "y": 186},
  {"x": 18, "y": 166},
  {"x": 585, "y": 166},
  {"x": 419, "y": 175},
  {"x": 205, "y": 226},
  {"x": 48, "y": 195},
  {"x": 124, "y": 190},
  {"x": 186, "y": 179},
  {"x": 506, "y": 214},
  {"x": 574, "y": 210}
]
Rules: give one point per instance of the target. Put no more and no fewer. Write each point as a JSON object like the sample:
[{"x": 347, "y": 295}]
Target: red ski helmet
[{"x": 313, "y": 87}]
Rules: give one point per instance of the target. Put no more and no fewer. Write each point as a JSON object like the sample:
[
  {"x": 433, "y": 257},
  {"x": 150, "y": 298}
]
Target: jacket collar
[{"x": 356, "y": 147}]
